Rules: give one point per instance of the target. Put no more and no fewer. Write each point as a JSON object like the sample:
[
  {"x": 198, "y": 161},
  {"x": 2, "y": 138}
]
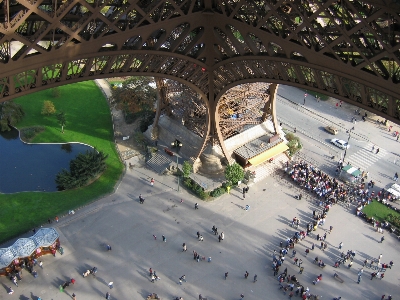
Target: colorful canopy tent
[
  {"x": 45, "y": 237},
  {"x": 44, "y": 241},
  {"x": 349, "y": 173},
  {"x": 259, "y": 150},
  {"x": 24, "y": 247},
  {"x": 395, "y": 190},
  {"x": 278, "y": 149},
  {"x": 7, "y": 255}
]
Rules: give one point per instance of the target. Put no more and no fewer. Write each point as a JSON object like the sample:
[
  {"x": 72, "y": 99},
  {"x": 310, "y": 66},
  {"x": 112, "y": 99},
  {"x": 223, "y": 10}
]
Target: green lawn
[
  {"x": 379, "y": 211},
  {"x": 322, "y": 97},
  {"x": 88, "y": 121}
]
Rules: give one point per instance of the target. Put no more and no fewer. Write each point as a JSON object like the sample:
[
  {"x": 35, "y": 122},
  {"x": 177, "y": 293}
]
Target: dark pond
[{"x": 25, "y": 167}]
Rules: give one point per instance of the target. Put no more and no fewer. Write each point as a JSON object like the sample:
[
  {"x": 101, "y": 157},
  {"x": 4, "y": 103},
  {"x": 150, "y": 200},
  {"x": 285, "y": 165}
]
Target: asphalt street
[{"x": 311, "y": 119}]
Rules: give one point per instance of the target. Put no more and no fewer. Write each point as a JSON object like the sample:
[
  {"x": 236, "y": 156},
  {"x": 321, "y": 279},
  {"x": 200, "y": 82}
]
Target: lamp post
[
  {"x": 178, "y": 145},
  {"x": 177, "y": 168}
]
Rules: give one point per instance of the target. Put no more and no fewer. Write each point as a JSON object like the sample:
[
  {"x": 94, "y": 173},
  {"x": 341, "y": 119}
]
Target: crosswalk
[{"x": 366, "y": 157}]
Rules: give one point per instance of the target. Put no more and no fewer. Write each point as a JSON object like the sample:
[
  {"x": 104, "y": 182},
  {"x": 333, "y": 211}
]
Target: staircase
[
  {"x": 159, "y": 162},
  {"x": 267, "y": 168}
]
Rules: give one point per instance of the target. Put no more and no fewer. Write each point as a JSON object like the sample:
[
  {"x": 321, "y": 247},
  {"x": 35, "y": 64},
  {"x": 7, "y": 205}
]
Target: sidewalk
[{"x": 250, "y": 238}]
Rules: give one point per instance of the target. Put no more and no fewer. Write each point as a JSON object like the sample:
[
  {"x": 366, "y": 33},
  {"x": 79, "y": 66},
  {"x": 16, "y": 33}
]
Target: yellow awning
[{"x": 260, "y": 158}]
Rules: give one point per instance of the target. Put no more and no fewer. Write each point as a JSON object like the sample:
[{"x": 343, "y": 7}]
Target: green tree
[
  {"x": 136, "y": 94},
  {"x": 294, "y": 143},
  {"x": 234, "y": 173},
  {"x": 83, "y": 168},
  {"x": 62, "y": 120},
  {"x": 187, "y": 168},
  {"x": 48, "y": 108},
  {"x": 10, "y": 114}
]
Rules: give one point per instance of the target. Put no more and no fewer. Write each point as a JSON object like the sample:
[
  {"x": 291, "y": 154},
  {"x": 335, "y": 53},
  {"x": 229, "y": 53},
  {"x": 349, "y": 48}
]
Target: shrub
[
  {"x": 394, "y": 220},
  {"x": 56, "y": 92},
  {"x": 218, "y": 192},
  {"x": 188, "y": 183},
  {"x": 293, "y": 144},
  {"x": 30, "y": 132},
  {"x": 48, "y": 108},
  {"x": 186, "y": 169}
]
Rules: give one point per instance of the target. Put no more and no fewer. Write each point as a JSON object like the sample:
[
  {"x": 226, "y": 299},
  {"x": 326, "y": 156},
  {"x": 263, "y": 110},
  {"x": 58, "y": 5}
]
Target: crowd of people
[{"x": 316, "y": 181}]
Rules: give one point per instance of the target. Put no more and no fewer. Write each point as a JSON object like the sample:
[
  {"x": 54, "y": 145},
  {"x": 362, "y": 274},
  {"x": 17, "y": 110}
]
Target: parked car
[
  {"x": 340, "y": 143},
  {"x": 331, "y": 129}
]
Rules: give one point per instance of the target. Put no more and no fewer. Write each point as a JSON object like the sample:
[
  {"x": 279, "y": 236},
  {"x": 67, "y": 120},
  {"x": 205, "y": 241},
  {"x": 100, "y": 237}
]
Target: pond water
[{"x": 33, "y": 167}]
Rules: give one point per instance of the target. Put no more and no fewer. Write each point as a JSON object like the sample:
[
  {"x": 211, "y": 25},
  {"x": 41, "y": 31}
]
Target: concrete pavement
[{"x": 250, "y": 238}]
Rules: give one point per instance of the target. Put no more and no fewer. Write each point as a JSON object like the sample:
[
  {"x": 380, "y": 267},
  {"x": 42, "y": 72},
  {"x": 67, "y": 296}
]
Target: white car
[{"x": 340, "y": 143}]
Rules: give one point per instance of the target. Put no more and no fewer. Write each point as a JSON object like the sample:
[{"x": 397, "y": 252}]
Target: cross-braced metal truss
[
  {"x": 348, "y": 49},
  {"x": 186, "y": 106},
  {"x": 242, "y": 107}
]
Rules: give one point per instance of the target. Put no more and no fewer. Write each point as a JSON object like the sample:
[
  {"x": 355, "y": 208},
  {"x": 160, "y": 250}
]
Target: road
[{"x": 310, "y": 120}]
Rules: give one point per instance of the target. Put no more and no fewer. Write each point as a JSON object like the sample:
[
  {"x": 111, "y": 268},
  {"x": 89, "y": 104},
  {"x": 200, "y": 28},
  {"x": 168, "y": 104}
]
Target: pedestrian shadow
[
  {"x": 133, "y": 197},
  {"x": 142, "y": 272},
  {"x": 5, "y": 286},
  {"x": 284, "y": 220},
  {"x": 101, "y": 280},
  {"x": 238, "y": 205},
  {"x": 370, "y": 237},
  {"x": 83, "y": 269},
  {"x": 22, "y": 297},
  {"x": 57, "y": 282}
]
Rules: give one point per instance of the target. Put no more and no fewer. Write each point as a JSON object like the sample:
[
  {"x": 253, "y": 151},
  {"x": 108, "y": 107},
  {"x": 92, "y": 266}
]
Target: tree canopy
[
  {"x": 136, "y": 94},
  {"x": 234, "y": 173},
  {"x": 82, "y": 169},
  {"x": 10, "y": 114}
]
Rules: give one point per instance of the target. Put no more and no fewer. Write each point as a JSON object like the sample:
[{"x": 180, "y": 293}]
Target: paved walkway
[{"x": 250, "y": 238}]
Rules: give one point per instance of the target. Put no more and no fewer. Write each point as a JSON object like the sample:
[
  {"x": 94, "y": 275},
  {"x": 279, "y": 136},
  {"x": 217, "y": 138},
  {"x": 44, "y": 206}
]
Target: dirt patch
[{"x": 124, "y": 133}]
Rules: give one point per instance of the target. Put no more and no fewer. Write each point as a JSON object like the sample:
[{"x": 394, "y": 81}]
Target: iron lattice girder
[{"x": 348, "y": 49}]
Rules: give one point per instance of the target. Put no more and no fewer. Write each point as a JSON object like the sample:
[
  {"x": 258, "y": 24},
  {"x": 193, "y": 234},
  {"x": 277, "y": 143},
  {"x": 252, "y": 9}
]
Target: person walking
[
  {"x": 226, "y": 275},
  {"x": 154, "y": 236},
  {"x": 10, "y": 290},
  {"x": 255, "y": 278},
  {"x": 108, "y": 296},
  {"x": 184, "y": 248},
  {"x": 241, "y": 296},
  {"x": 73, "y": 296},
  {"x": 377, "y": 150},
  {"x": 246, "y": 274},
  {"x": 196, "y": 206},
  {"x": 396, "y": 177},
  {"x": 108, "y": 247},
  {"x": 164, "y": 239},
  {"x": 111, "y": 284},
  {"x": 340, "y": 245},
  {"x": 152, "y": 181},
  {"x": 359, "y": 278},
  {"x": 382, "y": 238},
  {"x": 244, "y": 192}
]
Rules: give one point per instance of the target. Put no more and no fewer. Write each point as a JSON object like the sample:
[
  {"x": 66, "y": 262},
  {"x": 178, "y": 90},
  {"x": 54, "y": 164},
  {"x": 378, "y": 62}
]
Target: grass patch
[
  {"x": 379, "y": 211},
  {"x": 322, "y": 97},
  {"x": 88, "y": 121}
]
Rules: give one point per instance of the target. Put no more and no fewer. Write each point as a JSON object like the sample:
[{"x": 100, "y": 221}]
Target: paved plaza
[{"x": 250, "y": 238}]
